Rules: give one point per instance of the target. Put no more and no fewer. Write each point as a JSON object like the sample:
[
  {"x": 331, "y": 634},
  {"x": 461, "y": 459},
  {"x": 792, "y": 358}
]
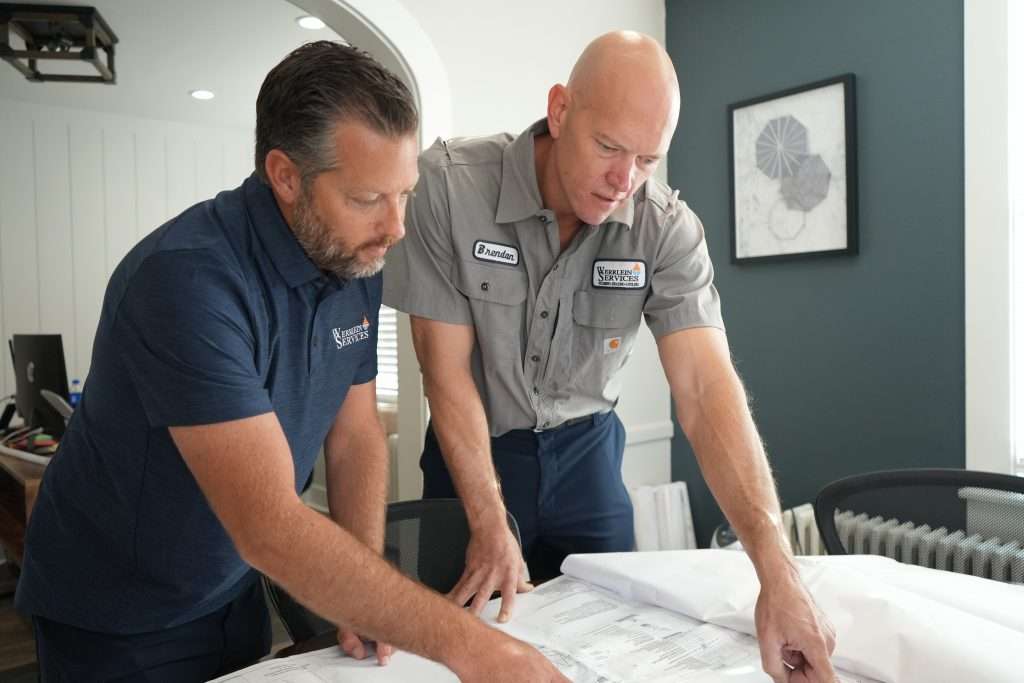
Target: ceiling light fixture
[
  {"x": 311, "y": 23},
  {"x": 201, "y": 94},
  {"x": 57, "y": 32}
]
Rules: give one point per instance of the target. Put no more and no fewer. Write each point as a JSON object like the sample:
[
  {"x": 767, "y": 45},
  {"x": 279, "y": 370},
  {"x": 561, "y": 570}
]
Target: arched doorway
[{"x": 385, "y": 29}]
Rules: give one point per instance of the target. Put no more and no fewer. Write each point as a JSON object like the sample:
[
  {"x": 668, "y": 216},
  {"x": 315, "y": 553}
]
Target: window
[
  {"x": 387, "y": 356},
  {"x": 992, "y": 365},
  {"x": 1015, "y": 74}
]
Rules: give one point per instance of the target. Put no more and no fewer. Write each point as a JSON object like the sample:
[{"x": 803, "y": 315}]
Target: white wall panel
[
  {"x": 53, "y": 229},
  {"x": 181, "y": 169},
  {"x": 19, "y": 272},
  {"x": 88, "y": 239},
  {"x": 209, "y": 166},
  {"x": 119, "y": 193},
  {"x": 150, "y": 179},
  {"x": 77, "y": 191}
]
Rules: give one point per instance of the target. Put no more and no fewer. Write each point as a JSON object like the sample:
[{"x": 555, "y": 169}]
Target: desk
[
  {"x": 689, "y": 615},
  {"x": 19, "y": 486}
]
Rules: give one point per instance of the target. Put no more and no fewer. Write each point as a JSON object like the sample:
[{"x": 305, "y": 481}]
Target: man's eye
[{"x": 604, "y": 147}]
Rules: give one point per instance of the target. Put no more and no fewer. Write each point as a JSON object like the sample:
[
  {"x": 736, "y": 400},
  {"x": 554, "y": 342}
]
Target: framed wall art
[{"x": 793, "y": 172}]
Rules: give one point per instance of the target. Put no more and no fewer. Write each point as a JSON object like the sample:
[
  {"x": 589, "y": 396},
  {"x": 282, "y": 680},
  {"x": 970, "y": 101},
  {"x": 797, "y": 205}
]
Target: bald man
[{"x": 527, "y": 265}]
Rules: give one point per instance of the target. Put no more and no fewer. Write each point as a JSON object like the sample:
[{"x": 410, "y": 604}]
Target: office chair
[
  {"x": 957, "y": 520},
  {"x": 425, "y": 539}
]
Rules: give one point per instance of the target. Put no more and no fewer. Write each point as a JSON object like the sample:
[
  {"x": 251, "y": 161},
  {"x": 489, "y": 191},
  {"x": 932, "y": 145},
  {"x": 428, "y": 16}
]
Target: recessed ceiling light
[
  {"x": 311, "y": 23},
  {"x": 201, "y": 94}
]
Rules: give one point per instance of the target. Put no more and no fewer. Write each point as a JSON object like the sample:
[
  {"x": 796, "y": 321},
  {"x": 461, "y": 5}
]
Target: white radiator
[
  {"x": 802, "y": 530},
  {"x": 938, "y": 548}
]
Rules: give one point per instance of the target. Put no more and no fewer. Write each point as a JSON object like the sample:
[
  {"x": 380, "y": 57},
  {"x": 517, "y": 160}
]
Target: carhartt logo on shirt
[
  {"x": 620, "y": 274},
  {"x": 356, "y": 333},
  {"x": 496, "y": 253}
]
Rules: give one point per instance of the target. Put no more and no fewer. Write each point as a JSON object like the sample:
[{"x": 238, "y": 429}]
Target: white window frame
[
  {"x": 1015, "y": 84},
  {"x": 987, "y": 238}
]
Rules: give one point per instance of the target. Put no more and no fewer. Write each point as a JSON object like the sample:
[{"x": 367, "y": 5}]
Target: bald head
[
  {"x": 609, "y": 127},
  {"x": 626, "y": 68}
]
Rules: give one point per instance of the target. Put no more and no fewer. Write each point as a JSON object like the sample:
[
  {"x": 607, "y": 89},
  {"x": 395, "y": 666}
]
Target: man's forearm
[
  {"x": 460, "y": 423},
  {"x": 733, "y": 461},
  {"x": 325, "y": 568},
  {"x": 356, "y": 468}
]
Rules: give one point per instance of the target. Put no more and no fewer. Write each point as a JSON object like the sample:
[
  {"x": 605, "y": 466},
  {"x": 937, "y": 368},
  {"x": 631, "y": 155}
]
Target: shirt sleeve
[
  {"x": 188, "y": 341},
  {"x": 683, "y": 293},
  {"x": 367, "y": 370},
  {"x": 418, "y": 275}
]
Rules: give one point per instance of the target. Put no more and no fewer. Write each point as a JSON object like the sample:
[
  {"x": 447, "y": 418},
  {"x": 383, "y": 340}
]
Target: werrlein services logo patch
[
  {"x": 356, "y": 333},
  {"x": 496, "y": 253},
  {"x": 620, "y": 274}
]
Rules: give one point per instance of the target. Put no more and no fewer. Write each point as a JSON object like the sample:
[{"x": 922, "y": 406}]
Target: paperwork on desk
[
  {"x": 686, "y": 616},
  {"x": 895, "y": 622},
  {"x": 589, "y": 633}
]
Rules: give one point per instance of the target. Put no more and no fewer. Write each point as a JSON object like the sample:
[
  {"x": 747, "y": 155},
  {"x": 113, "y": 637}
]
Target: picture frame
[{"x": 793, "y": 173}]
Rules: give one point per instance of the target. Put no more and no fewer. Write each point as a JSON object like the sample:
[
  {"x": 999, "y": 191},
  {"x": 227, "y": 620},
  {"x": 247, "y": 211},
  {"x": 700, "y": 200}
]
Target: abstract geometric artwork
[{"x": 794, "y": 173}]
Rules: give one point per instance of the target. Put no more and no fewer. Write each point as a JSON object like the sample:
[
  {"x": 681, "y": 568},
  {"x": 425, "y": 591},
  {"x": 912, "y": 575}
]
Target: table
[
  {"x": 19, "y": 486},
  {"x": 672, "y": 615}
]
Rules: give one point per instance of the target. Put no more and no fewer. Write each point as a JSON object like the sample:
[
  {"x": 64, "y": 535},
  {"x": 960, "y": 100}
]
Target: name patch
[
  {"x": 620, "y": 274},
  {"x": 496, "y": 253}
]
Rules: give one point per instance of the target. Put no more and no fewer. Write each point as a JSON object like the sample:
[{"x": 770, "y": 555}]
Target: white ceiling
[{"x": 167, "y": 48}]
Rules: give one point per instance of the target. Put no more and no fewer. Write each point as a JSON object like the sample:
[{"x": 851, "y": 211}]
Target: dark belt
[{"x": 570, "y": 422}]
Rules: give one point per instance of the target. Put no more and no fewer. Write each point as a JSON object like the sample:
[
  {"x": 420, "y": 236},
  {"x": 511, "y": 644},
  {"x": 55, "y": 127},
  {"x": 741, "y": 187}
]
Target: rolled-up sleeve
[
  {"x": 682, "y": 293},
  {"x": 418, "y": 274}
]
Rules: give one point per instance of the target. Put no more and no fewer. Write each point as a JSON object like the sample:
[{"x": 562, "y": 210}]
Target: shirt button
[
  {"x": 535, "y": 391},
  {"x": 545, "y": 425},
  {"x": 543, "y": 314},
  {"x": 535, "y": 358},
  {"x": 544, "y": 219},
  {"x": 485, "y": 285}
]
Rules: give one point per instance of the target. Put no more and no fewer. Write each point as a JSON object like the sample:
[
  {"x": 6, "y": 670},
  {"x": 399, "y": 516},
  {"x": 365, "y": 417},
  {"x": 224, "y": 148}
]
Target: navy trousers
[
  {"x": 231, "y": 638},
  {"x": 564, "y": 487}
]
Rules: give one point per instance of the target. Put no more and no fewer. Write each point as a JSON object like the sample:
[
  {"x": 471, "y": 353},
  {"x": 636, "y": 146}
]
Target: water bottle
[{"x": 75, "y": 395}]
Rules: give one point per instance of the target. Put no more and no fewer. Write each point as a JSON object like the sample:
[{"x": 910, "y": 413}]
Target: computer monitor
[{"x": 39, "y": 364}]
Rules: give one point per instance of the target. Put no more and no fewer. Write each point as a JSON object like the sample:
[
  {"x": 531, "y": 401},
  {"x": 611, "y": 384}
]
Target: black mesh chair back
[
  {"x": 424, "y": 539},
  {"x": 957, "y": 520}
]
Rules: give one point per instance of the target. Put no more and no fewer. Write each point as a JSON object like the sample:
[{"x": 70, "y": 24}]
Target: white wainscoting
[{"x": 77, "y": 190}]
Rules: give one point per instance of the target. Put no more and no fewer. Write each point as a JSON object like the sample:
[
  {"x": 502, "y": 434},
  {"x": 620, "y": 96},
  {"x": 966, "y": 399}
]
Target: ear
[
  {"x": 284, "y": 176},
  {"x": 558, "y": 105}
]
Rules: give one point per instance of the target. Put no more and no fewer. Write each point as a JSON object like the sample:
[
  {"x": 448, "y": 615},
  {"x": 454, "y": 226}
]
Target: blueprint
[{"x": 589, "y": 633}]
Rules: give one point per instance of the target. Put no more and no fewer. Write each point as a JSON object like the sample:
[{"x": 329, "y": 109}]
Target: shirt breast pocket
[
  {"x": 496, "y": 296},
  {"x": 606, "y": 325}
]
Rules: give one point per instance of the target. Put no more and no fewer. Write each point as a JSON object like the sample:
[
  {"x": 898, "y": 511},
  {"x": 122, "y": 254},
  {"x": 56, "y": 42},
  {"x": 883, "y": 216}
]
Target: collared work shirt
[{"x": 553, "y": 328}]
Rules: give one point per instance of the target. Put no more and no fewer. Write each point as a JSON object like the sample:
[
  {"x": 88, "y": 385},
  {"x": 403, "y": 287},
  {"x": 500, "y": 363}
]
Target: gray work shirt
[{"x": 553, "y": 328}]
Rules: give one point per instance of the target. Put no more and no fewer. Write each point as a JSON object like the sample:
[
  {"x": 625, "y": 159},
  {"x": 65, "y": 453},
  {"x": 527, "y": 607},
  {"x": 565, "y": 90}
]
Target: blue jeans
[
  {"x": 231, "y": 638},
  {"x": 564, "y": 487}
]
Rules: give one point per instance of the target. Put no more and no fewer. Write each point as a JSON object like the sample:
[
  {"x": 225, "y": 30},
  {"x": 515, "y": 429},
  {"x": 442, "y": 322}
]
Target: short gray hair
[{"x": 315, "y": 87}]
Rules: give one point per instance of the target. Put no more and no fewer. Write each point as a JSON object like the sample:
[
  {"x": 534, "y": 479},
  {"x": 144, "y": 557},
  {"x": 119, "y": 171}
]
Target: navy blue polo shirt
[{"x": 217, "y": 315}]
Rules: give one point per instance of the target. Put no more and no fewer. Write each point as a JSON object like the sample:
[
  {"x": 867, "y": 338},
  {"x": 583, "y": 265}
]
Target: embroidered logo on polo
[
  {"x": 352, "y": 335},
  {"x": 620, "y": 274},
  {"x": 496, "y": 253}
]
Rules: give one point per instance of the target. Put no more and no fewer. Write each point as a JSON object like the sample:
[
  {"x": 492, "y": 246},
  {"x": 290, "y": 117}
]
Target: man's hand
[
  {"x": 506, "y": 661},
  {"x": 494, "y": 562},
  {"x": 354, "y": 646},
  {"x": 796, "y": 638}
]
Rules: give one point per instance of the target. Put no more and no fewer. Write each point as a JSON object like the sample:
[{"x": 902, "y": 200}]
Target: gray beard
[{"x": 326, "y": 253}]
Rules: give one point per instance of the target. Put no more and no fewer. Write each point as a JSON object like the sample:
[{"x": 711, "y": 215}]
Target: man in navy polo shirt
[{"x": 234, "y": 341}]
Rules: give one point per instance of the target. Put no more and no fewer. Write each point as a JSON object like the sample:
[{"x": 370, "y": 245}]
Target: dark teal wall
[{"x": 853, "y": 363}]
